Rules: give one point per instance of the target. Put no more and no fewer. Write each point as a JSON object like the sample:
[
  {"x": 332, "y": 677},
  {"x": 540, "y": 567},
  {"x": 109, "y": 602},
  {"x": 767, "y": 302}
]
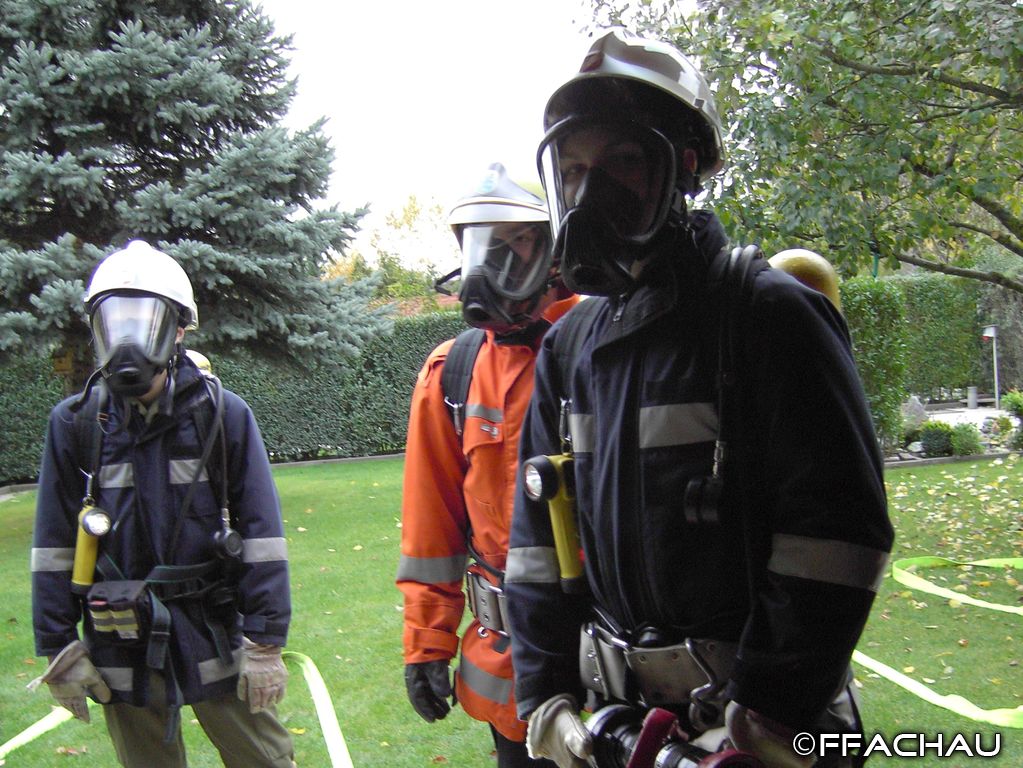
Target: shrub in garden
[
  {"x": 1012, "y": 401},
  {"x": 966, "y": 441},
  {"x": 1016, "y": 441},
  {"x": 936, "y": 437}
]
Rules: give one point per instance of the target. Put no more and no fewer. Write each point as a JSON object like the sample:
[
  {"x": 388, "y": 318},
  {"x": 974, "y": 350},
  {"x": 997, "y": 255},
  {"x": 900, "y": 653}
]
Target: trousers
[{"x": 243, "y": 739}]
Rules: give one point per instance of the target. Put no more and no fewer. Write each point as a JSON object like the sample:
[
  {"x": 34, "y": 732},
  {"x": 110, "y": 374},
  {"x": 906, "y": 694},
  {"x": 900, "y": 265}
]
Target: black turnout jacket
[{"x": 794, "y": 581}]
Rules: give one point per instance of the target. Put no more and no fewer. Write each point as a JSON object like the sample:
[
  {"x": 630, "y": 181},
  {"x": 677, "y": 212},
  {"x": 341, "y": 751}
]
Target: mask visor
[
  {"x": 513, "y": 257},
  {"x": 148, "y": 323},
  {"x": 635, "y": 165}
]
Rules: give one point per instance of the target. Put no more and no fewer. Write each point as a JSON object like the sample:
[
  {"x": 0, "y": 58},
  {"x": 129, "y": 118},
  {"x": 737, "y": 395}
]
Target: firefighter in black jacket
[{"x": 742, "y": 615}]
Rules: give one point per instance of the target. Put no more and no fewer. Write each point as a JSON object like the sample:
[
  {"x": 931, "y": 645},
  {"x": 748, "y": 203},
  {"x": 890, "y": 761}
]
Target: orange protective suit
[{"x": 454, "y": 487}]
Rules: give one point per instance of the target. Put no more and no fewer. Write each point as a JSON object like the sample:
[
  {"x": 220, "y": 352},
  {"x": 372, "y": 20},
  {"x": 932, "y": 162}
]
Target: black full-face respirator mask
[
  {"x": 613, "y": 187},
  {"x": 135, "y": 336},
  {"x": 504, "y": 276}
]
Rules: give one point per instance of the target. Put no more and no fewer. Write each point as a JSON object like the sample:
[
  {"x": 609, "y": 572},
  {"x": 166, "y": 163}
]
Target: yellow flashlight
[
  {"x": 552, "y": 479},
  {"x": 93, "y": 523}
]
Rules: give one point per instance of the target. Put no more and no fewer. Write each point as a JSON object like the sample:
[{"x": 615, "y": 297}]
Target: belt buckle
[
  {"x": 706, "y": 705},
  {"x": 485, "y": 602}
]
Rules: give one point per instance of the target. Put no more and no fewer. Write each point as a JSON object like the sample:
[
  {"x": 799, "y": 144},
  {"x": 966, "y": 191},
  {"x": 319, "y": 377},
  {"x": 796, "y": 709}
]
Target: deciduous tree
[{"x": 870, "y": 130}]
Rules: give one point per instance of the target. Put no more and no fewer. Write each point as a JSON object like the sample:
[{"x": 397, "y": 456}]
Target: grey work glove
[
  {"x": 763, "y": 737},
  {"x": 429, "y": 688},
  {"x": 556, "y": 732},
  {"x": 263, "y": 677},
  {"x": 71, "y": 676}
]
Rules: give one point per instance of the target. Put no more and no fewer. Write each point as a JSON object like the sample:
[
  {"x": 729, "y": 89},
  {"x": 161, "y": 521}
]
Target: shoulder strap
[
  {"x": 87, "y": 426},
  {"x": 208, "y": 417},
  {"x": 571, "y": 334},
  {"x": 456, "y": 374},
  {"x": 737, "y": 285},
  {"x": 568, "y": 342},
  {"x": 731, "y": 298}
]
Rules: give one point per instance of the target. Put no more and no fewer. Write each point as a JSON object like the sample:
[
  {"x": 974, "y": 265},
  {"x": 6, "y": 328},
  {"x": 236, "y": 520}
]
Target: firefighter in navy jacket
[
  {"x": 217, "y": 582},
  {"x": 772, "y": 601}
]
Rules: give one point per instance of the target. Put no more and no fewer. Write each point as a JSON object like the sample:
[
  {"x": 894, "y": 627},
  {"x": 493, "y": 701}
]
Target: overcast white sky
[{"x": 422, "y": 96}]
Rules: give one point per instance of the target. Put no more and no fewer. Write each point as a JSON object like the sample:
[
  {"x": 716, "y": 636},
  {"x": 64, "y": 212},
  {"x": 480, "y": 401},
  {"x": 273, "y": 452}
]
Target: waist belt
[
  {"x": 694, "y": 671},
  {"x": 487, "y": 603},
  {"x": 183, "y": 582}
]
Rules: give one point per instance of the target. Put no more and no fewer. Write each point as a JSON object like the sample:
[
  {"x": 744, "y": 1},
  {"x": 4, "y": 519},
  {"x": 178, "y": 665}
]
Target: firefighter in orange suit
[{"x": 461, "y": 461}]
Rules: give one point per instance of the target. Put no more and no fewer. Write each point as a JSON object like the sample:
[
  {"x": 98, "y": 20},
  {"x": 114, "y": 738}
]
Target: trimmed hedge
[
  {"x": 874, "y": 311},
  {"x": 28, "y": 390},
  {"x": 332, "y": 410},
  {"x": 303, "y": 412},
  {"x": 915, "y": 334},
  {"x": 944, "y": 346}
]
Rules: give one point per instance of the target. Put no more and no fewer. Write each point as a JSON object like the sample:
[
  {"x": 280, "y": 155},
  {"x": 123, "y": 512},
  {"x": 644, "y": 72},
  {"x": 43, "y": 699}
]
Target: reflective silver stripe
[
  {"x": 485, "y": 684},
  {"x": 495, "y": 415},
  {"x": 264, "y": 550},
  {"x": 212, "y": 670},
  {"x": 661, "y": 426},
  {"x": 537, "y": 565},
  {"x": 183, "y": 470},
  {"x": 117, "y": 476},
  {"x": 432, "y": 570},
  {"x": 118, "y": 678},
  {"x": 828, "y": 560},
  {"x": 52, "y": 559},
  {"x": 580, "y": 425}
]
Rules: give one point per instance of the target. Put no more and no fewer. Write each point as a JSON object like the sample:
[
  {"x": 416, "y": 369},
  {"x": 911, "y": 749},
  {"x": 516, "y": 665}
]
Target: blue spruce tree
[{"x": 124, "y": 119}]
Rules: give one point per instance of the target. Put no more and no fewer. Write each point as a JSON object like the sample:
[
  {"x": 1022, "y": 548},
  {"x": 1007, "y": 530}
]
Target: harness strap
[
  {"x": 88, "y": 430},
  {"x": 174, "y": 582},
  {"x": 203, "y": 583},
  {"x": 208, "y": 445},
  {"x": 159, "y": 633},
  {"x": 573, "y": 329},
  {"x": 456, "y": 375}
]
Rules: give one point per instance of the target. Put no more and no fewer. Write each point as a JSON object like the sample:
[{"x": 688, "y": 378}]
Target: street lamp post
[{"x": 991, "y": 332}]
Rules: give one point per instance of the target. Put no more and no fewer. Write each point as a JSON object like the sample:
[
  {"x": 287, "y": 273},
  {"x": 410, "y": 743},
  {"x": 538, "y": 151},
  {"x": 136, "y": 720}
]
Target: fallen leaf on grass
[{"x": 297, "y": 731}]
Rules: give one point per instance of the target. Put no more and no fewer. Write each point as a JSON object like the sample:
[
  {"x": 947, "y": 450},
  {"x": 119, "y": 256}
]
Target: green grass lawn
[{"x": 342, "y": 528}]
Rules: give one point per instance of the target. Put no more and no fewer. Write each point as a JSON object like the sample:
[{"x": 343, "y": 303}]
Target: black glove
[{"x": 429, "y": 688}]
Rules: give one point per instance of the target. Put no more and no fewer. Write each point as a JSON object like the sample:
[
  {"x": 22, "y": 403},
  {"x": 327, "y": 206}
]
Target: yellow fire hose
[
  {"x": 329, "y": 726},
  {"x": 902, "y": 573}
]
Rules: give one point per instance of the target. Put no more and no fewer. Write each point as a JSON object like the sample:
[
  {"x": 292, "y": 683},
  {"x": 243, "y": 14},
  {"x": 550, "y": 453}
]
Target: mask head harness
[
  {"x": 628, "y": 138},
  {"x": 505, "y": 238}
]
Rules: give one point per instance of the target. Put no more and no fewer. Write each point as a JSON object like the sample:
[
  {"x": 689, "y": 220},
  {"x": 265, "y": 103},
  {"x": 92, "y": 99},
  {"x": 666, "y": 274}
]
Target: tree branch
[
  {"x": 909, "y": 71},
  {"x": 975, "y": 274},
  {"x": 1009, "y": 243},
  {"x": 1001, "y": 213}
]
